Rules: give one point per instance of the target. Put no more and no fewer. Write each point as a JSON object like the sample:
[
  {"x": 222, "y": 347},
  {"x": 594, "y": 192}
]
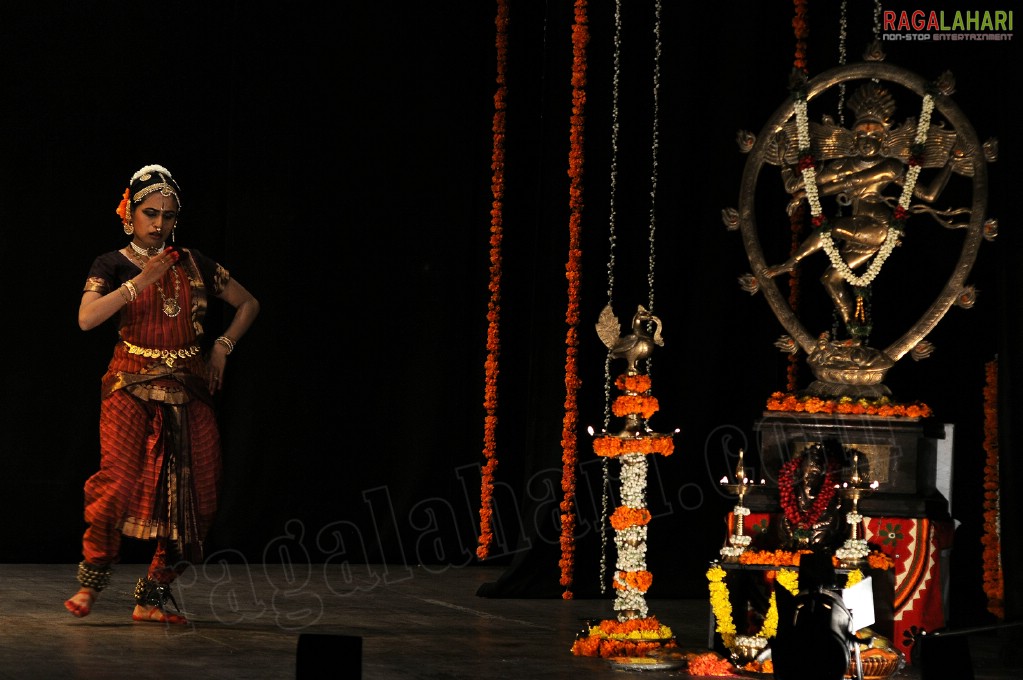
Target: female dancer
[{"x": 159, "y": 443}]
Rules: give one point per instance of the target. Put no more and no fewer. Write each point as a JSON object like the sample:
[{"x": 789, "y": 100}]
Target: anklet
[{"x": 94, "y": 577}]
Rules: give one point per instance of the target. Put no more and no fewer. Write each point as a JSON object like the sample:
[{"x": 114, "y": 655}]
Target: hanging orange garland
[
  {"x": 801, "y": 28},
  {"x": 994, "y": 584},
  {"x": 494, "y": 307},
  {"x": 573, "y": 272}
]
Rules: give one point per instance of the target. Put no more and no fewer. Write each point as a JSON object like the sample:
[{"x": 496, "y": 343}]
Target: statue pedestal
[{"x": 902, "y": 454}]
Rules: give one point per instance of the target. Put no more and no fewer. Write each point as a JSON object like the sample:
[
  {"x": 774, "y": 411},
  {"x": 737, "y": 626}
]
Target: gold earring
[{"x": 129, "y": 228}]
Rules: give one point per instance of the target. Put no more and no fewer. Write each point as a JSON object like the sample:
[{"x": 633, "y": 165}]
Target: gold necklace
[{"x": 170, "y": 305}]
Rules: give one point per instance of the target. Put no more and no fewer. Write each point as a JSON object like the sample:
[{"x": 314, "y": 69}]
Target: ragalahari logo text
[{"x": 959, "y": 25}]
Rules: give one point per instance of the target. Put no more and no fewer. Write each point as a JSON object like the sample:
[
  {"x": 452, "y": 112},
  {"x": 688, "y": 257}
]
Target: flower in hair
[{"x": 122, "y": 207}]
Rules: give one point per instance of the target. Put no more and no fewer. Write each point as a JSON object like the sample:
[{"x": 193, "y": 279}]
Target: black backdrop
[{"x": 337, "y": 161}]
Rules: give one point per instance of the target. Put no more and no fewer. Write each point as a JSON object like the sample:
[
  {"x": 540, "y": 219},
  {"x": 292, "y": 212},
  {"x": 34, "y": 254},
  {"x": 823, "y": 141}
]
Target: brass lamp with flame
[
  {"x": 854, "y": 551},
  {"x": 738, "y": 541}
]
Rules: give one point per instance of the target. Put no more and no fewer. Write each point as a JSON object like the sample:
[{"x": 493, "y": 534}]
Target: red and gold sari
[{"x": 159, "y": 443}]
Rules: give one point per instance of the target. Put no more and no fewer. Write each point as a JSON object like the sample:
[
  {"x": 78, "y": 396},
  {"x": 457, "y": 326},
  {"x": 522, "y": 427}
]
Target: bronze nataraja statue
[{"x": 862, "y": 185}]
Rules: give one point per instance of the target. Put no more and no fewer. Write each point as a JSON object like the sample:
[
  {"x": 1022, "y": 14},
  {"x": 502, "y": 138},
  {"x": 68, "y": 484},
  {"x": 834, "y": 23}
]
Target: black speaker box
[
  {"x": 944, "y": 655},
  {"x": 323, "y": 656}
]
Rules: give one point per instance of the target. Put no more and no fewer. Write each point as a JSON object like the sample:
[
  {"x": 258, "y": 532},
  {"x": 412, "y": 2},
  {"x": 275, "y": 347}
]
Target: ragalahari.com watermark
[{"x": 935, "y": 25}]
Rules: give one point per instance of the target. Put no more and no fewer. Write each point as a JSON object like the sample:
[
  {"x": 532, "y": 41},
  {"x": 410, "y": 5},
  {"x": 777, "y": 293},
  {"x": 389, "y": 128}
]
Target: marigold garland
[
  {"x": 638, "y": 580},
  {"x": 627, "y": 404},
  {"x": 878, "y": 560},
  {"x": 647, "y": 628},
  {"x": 624, "y": 517},
  {"x": 786, "y": 558},
  {"x": 606, "y": 649},
  {"x": 639, "y": 383},
  {"x": 884, "y": 407},
  {"x": 769, "y": 628},
  {"x": 788, "y": 579},
  {"x": 611, "y": 446},
  {"x": 635, "y": 637},
  {"x": 710, "y": 664},
  {"x": 777, "y": 558},
  {"x": 494, "y": 307},
  {"x": 801, "y": 28},
  {"x": 994, "y": 584},
  {"x": 573, "y": 272},
  {"x": 721, "y": 604},
  {"x": 632, "y": 580}
]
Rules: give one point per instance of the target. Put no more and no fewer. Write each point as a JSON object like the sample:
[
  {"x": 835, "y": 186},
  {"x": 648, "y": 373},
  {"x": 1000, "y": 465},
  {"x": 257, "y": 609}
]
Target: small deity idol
[{"x": 809, "y": 500}]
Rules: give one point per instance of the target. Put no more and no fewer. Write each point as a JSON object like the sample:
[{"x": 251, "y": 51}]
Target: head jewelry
[
  {"x": 144, "y": 182},
  {"x": 153, "y": 178}
]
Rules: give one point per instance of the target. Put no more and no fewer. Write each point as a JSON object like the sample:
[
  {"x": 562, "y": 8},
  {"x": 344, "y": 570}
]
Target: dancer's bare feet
[
  {"x": 80, "y": 604},
  {"x": 152, "y": 613}
]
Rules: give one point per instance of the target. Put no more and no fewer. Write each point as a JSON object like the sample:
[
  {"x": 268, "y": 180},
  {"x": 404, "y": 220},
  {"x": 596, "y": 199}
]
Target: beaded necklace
[{"x": 146, "y": 252}]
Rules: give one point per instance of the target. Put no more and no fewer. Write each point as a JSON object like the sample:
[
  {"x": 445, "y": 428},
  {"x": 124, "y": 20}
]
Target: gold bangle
[
  {"x": 128, "y": 292},
  {"x": 226, "y": 342}
]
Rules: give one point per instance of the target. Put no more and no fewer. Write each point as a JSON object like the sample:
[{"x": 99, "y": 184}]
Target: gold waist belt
[{"x": 165, "y": 354}]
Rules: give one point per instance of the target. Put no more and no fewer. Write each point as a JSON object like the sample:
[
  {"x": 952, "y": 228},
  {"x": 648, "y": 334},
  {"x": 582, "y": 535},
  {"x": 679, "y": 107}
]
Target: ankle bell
[
  {"x": 150, "y": 593},
  {"x": 91, "y": 576}
]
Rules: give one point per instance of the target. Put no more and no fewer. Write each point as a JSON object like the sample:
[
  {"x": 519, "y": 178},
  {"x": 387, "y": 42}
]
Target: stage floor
[{"x": 248, "y": 621}]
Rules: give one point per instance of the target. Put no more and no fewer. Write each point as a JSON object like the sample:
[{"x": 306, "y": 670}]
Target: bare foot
[
  {"x": 80, "y": 604},
  {"x": 152, "y": 613}
]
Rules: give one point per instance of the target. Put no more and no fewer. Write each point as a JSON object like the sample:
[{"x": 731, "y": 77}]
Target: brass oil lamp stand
[
  {"x": 738, "y": 541},
  {"x": 854, "y": 551}
]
